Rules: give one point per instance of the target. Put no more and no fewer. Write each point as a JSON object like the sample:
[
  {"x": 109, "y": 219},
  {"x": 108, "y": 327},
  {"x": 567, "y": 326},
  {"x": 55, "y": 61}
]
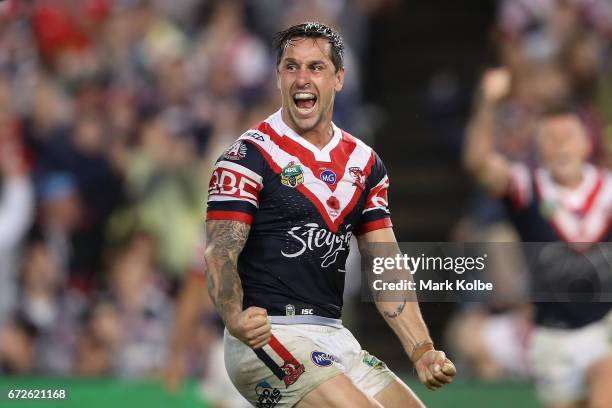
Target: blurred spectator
[
  {"x": 60, "y": 215},
  {"x": 63, "y": 26},
  {"x": 16, "y": 207},
  {"x": 230, "y": 60},
  {"x": 17, "y": 348},
  {"x": 100, "y": 342},
  {"x": 164, "y": 191},
  {"x": 127, "y": 337},
  {"x": 560, "y": 17},
  {"x": 51, "y": 307}
]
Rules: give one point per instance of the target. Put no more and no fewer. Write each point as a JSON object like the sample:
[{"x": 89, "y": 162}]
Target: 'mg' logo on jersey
[{"x": 292, "y": 175}]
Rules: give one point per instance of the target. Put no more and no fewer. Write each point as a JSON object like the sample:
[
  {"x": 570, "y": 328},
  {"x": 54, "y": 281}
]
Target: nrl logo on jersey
[
  {"x": 289, "y": 310},
  {"x": 292, "y": 175}
]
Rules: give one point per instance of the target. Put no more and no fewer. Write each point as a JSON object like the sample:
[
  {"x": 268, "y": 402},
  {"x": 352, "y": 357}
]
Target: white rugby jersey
[{"x": 303, "y": 205}]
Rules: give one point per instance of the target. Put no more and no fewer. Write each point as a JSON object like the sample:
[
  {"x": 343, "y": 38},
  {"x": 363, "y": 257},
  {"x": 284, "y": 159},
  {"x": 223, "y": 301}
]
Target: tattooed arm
[
  {"x": 401, "y": 311},
  {"x": 225, "y": 240}
]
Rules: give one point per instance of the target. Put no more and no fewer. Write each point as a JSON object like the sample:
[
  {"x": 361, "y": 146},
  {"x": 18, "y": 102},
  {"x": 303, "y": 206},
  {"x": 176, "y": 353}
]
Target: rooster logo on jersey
[{"x": 358, "y": 177}]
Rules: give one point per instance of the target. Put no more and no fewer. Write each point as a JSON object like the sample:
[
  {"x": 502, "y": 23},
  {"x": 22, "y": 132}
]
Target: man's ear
[
  {"x": 278, "y": 80},
  {"x": 339, "y": 80}
]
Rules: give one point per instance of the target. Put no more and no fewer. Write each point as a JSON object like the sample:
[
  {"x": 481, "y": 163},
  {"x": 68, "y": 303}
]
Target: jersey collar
[{"x": 322, "y": 155}]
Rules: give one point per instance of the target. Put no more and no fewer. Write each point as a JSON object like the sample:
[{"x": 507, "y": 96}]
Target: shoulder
[
  {"x": 363, "y": 152},
  {"x": 256, "y": 141},
  {"x": 262, "y": 136},
  {"x": 606, "y": 176},
  {"x": 360, "y": 146},
  {"x": 373, "y": 169}
]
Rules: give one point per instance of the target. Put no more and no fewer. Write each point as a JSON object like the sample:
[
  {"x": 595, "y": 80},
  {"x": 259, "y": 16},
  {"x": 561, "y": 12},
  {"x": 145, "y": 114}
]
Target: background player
[
  {"x": 567, "y": 200},
  {"x": 297, "y": 175}
]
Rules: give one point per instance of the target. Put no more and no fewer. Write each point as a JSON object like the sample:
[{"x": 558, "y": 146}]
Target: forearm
[
  {"x": 479, "y": 144},
  {"x": 225, "y": 242},
  {"x": 406, "y": 321},
  {"x": 400, "y": 309},
  {"x": 223, "y": 283}
]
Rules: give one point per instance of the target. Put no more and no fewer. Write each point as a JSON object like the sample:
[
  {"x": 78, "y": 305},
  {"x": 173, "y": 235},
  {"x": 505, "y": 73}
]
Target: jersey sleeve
[
  {"x": 376, "y": 214},
  {"x": 235, "y": 184}
]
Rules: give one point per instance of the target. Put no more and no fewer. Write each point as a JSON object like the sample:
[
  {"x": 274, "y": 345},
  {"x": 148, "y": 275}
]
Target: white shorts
[
  {"x": 504, "y": 338},
  {"x": 216, "y": 387},
  {"x": 560, "y": 359},
  {"x": 299, "y": 358}
]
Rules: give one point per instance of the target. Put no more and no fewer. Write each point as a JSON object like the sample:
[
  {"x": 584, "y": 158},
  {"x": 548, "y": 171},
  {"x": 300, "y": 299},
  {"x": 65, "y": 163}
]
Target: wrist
[
  {"x": 419, "y": 349},
  {"x": 230, "y": 320}
]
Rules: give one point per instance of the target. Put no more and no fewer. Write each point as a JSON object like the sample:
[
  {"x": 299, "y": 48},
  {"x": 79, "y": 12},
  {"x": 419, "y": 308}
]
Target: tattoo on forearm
[
  {"x": 225, "y": 241},
  {"x": 398, "y": 311}
]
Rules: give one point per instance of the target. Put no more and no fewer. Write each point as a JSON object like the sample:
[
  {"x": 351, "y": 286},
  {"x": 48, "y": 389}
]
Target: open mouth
[{"x": 304, "y": 101}]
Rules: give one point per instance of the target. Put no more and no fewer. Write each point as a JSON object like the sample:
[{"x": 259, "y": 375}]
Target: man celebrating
[
  {"x": 567, "y": 200},
  {"x": 284, "y": 201}
]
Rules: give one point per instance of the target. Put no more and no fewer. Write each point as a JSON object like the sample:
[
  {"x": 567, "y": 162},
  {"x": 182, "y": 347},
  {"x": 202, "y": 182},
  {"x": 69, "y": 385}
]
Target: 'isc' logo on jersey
[
  {"x": 292, "y": 175},
  {"x": 328, "y": 176}
]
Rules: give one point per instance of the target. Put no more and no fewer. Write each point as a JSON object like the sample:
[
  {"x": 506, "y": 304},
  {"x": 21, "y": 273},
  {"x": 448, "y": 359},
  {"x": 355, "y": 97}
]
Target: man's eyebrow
[
  {"x": 294, "y": 61},
  {"x": 320, "y": 62}
]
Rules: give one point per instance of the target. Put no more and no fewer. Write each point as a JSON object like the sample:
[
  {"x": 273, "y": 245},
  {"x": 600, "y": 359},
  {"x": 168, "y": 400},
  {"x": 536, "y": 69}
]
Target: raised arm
[
  {"x": 16, "y": 197},
  {"x": 404, "y": 315},
  {"x": 489, "y": 168},
  {"x": 225, "y": 240}
]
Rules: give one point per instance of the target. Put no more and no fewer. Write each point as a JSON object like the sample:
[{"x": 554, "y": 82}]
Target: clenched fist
[
  {"x": 434, "y": 369},
  {"x": 251, "y": 326},
  {"x": 495, "y": 84}
]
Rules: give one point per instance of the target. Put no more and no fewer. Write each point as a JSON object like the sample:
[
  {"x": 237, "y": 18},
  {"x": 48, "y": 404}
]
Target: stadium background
[{"x": 113, "y": 110}]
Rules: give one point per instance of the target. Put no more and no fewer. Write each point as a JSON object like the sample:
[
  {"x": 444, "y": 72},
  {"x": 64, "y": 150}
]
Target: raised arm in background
[{"x": 490, "y": 169}]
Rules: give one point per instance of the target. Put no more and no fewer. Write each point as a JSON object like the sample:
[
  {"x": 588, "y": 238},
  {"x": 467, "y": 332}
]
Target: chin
[
  {"x": 306, "y": 124},
  {"x": 565, "y": 174}
]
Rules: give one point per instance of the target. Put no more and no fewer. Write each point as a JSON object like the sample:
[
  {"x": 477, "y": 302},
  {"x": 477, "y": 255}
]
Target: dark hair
[{"x": 311, "y": 30}]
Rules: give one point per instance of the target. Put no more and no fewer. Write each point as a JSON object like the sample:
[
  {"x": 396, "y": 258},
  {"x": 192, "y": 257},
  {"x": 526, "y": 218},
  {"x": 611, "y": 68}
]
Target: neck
[{"x": 320, "y": 135}]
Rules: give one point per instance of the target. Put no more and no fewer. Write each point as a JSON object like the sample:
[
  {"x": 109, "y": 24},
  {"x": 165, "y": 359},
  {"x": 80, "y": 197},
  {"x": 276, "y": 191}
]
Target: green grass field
[{"x": 110, "y": 393}]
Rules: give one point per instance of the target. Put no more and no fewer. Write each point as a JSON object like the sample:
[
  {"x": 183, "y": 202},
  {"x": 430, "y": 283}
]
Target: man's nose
[{"x": 303, "y": 78}]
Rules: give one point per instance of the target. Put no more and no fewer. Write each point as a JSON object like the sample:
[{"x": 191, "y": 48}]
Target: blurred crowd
[
  {"x": 557, "y": 54},
  {"x": 111, "y": 115},
  {"x": 113, "y": 111}
]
